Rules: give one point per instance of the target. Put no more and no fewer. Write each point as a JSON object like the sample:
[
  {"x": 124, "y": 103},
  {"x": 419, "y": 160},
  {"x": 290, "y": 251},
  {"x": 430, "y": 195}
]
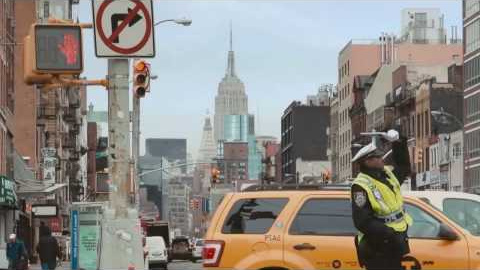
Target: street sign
[
  {"x": 123, "y": 29},
  {"x": 49, "y": 170},
  {"x": 48, "y": 152}
]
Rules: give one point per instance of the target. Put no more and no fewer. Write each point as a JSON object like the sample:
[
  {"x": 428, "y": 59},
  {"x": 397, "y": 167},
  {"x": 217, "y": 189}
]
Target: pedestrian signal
[{"x": 52, "y": 49}]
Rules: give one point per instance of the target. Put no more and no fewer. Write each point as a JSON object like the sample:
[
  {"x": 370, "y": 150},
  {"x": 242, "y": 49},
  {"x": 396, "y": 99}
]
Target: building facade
[
  {"x": 356, "y": 58},
  {"x": 235, "y": 162},
  {"x": 422, "y": 41},
  {"x": 471, "y": 26},
  {"x": 172, "y": 149},
  {"x": 304, "y": 135},
  {"x": 208, "y": 148},
  {"x": 423, "y": 26},
  {"x": 437, "y": 107},
  {"x": 236, "y": 128},
  {"x": 332, "y": 151}
]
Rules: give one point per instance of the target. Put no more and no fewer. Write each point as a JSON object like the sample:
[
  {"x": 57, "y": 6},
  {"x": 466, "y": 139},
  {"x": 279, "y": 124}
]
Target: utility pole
[
  {"x": 119, "y": 134},
  {"x": 121, "y": 239}
]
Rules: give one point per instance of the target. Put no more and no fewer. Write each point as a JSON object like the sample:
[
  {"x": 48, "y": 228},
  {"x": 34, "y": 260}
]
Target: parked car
[
  {"x": 197, "y": 250},
  {"x": 463, "y": 208},
  {"x": 157, "y": 256},
  {"x": 311, "y": 227},
  {"x": 180, "y": 249}
]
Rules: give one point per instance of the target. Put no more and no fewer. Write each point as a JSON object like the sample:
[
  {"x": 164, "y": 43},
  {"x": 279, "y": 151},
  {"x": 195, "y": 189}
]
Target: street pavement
[
  {"x": 184, "y": 265},
  {"x": 175, "y": 265}
]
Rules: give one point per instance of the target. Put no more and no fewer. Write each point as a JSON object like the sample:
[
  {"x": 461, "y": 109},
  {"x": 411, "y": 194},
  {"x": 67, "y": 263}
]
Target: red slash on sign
[{"x": 131, "y": 15}]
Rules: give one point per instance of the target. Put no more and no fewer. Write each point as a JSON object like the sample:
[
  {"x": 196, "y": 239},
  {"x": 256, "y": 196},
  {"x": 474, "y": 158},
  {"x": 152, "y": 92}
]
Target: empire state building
[{"x": 231, "y": 98}]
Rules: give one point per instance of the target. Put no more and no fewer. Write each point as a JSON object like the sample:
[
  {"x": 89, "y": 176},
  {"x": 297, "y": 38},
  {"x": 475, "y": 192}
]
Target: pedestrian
[
  {"x": 16, "y": 254},
  {"x": 377, "y": 205},
  {"x": 48, "y": 250},
  {"x": 43, "y": 229}
]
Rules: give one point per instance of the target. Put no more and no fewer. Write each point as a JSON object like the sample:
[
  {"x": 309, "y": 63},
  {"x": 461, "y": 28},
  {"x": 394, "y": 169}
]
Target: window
[
  {"x": 348, "y": 68},
  {"x": 421, "y": 19},
  {"x": 472, "y": 72},
  {"x": 465, "y": 213},
  {"x": 473, "y": 144},
  {"x": 424, "y": 225},
  {"x": 427, "y": 159},
  {"x": 46, "y": 10},
  {"x": 457, "y": 150},
  {"x": 324, "y": 217},
  {"x": 253, "y": 216},
  {"x": 471, "y": 7},
  {"x": 472, "y": 181},
  {"x": 472, "y": 108},
  {"x": 427, "y": 123},
  {"x": 472, "y": 37},
  {"x": 418, "y": 125}
]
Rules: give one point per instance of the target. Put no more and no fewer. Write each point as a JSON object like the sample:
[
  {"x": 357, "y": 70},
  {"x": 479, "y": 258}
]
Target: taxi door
[
  {"x": 320, "y": 235},
  {"x": 429, "y": 244},
  {"x": 251, "y": 234}
]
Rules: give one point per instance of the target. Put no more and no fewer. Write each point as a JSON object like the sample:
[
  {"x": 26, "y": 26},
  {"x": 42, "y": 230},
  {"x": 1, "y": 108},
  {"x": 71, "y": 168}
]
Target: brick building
[{"x": 7, "y": 78}]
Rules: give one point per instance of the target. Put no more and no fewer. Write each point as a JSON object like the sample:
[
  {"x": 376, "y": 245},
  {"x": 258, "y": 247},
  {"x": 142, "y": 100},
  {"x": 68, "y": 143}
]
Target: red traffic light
[{"x": 141, "y": 78}]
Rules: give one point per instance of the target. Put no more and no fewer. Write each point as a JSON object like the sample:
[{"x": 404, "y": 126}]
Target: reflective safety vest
[{"x": 387, "y": 205}]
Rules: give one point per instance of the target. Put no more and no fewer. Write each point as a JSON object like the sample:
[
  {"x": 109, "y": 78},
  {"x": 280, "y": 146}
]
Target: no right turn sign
[{"x": 124, "y": 28}]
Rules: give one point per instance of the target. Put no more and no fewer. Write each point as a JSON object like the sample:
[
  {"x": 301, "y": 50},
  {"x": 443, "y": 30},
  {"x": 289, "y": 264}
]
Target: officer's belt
[{"x": 391, "y": 218}]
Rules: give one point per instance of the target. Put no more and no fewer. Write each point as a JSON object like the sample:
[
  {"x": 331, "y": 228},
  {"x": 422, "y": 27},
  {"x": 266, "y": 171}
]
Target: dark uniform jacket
[{"x": 378, "y": 238}]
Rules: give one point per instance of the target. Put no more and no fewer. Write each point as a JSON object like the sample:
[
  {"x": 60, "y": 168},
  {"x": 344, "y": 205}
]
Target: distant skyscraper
[
  {"x": 208, "y": 148},
  {"x": 231, "y": 98},
  {"x": 236, "y": 128}
]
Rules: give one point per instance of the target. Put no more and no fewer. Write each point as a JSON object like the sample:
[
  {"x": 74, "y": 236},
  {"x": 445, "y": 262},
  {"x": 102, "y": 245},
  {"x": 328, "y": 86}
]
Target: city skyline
[{"x": 190, "y": 60}]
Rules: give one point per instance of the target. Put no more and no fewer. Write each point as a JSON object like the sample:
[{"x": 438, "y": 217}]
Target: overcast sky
[{"x": 284, "y": 50}]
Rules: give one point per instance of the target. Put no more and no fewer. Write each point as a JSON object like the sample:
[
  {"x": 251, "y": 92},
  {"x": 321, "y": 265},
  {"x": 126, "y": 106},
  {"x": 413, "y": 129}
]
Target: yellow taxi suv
[{"x": 311, "y": 227}]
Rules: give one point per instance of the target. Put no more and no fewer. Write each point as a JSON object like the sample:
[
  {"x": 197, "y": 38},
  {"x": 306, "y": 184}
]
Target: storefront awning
[
  {"x": 8, "y": 196},
  {"x": 32, "y": 191}
]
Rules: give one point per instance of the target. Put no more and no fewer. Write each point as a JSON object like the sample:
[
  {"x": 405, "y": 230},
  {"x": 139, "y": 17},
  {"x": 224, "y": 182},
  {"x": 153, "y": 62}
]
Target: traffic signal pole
[
  {"x": 136, "y": 145},
  {"x": 121, "y": 246},
  {"x": 119, "y": 133}
]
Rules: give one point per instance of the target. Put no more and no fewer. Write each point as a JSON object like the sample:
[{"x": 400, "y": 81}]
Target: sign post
[{"x": 74, "y": 240}]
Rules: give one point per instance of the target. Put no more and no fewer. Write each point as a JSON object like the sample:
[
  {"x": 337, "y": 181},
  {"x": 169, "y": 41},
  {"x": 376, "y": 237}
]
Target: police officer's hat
[{"x": 368, "y": 151}]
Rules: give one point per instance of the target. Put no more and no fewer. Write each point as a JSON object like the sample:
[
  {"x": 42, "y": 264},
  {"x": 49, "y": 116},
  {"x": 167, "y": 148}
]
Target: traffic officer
[{"x": 377, "y": 205}]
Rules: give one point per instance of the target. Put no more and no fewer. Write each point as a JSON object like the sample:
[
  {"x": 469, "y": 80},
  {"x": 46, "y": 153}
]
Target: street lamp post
[{"x": 184, "y": 22}]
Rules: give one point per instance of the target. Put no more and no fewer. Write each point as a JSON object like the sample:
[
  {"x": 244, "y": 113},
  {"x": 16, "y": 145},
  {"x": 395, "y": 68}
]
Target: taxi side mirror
[{"x": 446, "y": 233}]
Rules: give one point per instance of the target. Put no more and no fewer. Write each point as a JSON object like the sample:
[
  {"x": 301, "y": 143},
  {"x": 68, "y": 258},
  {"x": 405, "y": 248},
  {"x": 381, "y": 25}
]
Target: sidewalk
[{"x": 64, "y": 266}]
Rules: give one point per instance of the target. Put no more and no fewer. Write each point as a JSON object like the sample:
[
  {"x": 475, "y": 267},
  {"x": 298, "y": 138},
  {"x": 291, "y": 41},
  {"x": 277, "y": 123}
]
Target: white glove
[{"x": 392, "y": 135}]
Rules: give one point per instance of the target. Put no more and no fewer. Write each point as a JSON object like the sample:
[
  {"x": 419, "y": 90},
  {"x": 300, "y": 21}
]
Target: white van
[
  {"x": 463, "y": 208},
  {"x": 157, "y": 252}
]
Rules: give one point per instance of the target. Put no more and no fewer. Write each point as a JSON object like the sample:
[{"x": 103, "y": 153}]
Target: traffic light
[
  {"x": 141, "y": 78},
  {"x": 52, "y": 49},
  {"x": 196, "y": 203},
  {"x": 419, "y": 156},
  {"x": 192, "y": 204},
  {"x": 215, "y": 175}
]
